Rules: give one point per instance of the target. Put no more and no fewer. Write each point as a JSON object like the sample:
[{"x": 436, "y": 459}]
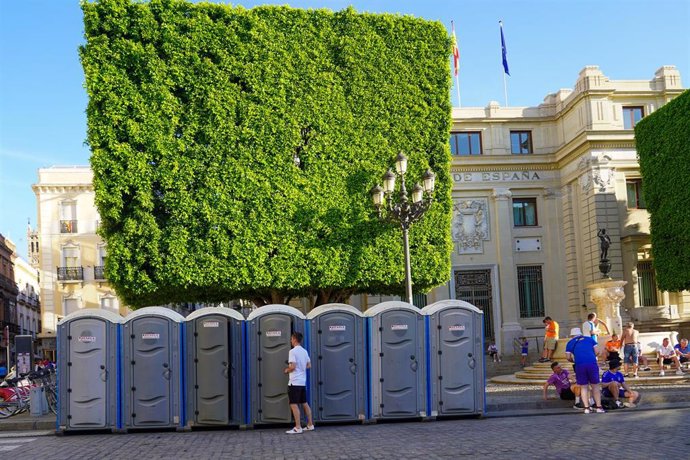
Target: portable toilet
[
  {"x": 397, "y": 358},
  {"x": 456, "y": 361},
  {"x": 87, "y": 373},
  {"x": 338, "y": 369},
  {"x": 152, "y": 369},
  {"x": 215, "y": 376},
  {"x": 268, "y": 343}
]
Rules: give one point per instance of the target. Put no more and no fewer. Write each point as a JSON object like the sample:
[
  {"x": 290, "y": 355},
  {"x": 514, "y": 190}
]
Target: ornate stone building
[{"x": 532, "y": 186}]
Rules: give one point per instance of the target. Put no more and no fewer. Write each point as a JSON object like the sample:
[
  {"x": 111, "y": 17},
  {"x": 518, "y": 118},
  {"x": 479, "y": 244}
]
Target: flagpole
[
  {"x": 505, "y": 88},
  {"x": 457, "y": 86}
]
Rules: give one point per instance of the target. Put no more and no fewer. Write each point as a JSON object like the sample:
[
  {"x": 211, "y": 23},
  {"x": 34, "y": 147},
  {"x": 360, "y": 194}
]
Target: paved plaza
[{"x": 631, "y": 435}]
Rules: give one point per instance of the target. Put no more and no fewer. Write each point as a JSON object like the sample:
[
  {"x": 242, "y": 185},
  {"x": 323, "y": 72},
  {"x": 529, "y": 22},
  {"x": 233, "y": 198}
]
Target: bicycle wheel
[
  {"x": 51, "y": 397},
  {"x": 9, "y": 407}
]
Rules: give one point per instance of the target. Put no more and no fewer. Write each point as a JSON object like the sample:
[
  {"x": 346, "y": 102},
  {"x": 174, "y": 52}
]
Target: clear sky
[{"x": 43, "y": 101}]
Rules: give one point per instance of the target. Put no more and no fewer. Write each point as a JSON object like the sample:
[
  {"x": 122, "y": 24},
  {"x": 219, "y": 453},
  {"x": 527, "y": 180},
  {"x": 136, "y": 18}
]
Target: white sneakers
[
  {"x": 619, "y": 404},
  {"x": 679, "y": 372},
  {"x": 300, "y": 430},
  {"x": 662, "y": 373}
]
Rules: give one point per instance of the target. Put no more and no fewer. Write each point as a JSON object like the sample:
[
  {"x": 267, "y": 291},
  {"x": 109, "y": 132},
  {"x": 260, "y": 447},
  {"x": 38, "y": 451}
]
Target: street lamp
[{"x": 397, "y": 208}]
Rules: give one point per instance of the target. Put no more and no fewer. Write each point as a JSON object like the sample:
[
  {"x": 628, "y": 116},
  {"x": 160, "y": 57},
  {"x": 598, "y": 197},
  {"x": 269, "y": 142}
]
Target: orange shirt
[
  {"x": 552, "y": 330},
  {"x": 613, "y": 345}
]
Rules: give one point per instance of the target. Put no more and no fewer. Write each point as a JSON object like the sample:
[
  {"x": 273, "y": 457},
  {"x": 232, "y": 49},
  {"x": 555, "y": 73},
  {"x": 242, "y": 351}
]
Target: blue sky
[{"x": 43, "y": 102}]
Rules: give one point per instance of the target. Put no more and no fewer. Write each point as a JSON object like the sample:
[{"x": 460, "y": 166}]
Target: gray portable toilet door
[
  {"x": 337, "y": 384},
  {"x": 212, "y": 370},
  {"x": 151, "y": 374},
  {"x": 399, "y": 364},
  {"x": 456, "y": 361},
  {"x": 88, "y": 376},
  {"x": 274, "y": 347}
]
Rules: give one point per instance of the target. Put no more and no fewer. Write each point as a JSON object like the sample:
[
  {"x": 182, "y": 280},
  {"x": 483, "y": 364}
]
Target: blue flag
[{"x": 504, "y": 51}]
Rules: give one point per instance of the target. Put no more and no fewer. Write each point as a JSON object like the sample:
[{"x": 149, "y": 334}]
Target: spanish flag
[{"x": 456, "y": 51}]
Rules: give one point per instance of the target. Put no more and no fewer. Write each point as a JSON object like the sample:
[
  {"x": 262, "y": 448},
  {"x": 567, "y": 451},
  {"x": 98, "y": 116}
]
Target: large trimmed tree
[
  {"x": 663, "y": 144},
  {"x": 233, "y": 149}
]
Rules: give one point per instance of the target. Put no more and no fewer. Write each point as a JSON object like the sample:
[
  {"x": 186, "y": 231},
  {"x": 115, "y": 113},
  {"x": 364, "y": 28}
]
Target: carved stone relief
[
  {"x": 470, "y": 226},
  {"x": 596, "y": 173}
]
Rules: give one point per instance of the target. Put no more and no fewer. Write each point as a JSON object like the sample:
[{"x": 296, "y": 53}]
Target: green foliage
[
  {"x": 663, "y": 144},
  {"x": 195, "y": 114}
]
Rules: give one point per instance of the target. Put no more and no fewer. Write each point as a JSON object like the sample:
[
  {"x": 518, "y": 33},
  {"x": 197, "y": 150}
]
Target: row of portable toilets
[{"x": 156, "y": 369}]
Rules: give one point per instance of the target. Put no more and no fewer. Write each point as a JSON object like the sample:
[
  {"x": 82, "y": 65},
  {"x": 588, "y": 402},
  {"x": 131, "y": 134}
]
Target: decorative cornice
[{"x": 61, "y": 188}]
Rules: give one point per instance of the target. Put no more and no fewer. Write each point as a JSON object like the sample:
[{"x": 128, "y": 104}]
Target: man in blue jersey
[{"x": 583, "y": 352}]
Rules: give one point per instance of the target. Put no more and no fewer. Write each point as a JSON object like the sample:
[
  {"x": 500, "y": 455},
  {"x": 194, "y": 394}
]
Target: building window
[
  {"x": 646, "y": 284},
  {"x": 68, "y": 217},
  {"x": 631, "y": 115},
  {"x": 520, "y": 142},
  {"x": 70, "y": 306},
  {"x": 531, "y": 291},
  {"x": 635, "y": 197},
  {"x": 525, "y": 212},
  {"x": 466, "y": 143},
  {"x": 110, "y": 303}
]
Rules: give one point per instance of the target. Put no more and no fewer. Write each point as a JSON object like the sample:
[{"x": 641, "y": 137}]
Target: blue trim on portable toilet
[
  {"x": 247, "y": 370},
  {"x": 307, "y": 347},
  {"x": 367, "y": 348},
  {"x": 118, "y": 386},
  {"x": 481, "y": 328},
  {"x": 427, "y": 344},
  {"x": 183, "y": 373}
]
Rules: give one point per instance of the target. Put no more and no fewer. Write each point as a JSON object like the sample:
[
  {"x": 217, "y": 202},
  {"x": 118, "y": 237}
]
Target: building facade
[
  {"x": 8, "y": 297},
  {"x": 532, "y": 187},
  {"x": 28, "y": 300},
  {"x": 71, "y": 254}
]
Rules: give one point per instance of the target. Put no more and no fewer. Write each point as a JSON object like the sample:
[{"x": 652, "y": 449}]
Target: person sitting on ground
[
  {"x": 613, "y": 348},
  {"x": 550, "y": 339},
  {"x": 667, "y": 356},
  {"x": 493, "y": 352},
  {"x": 590, "y": 328},
  {"x": 683, "y": 351},
  {"x": 524, "y": 351},
  {"x": 614, "y": 386},
  {"x": 567, "y": 390},
  {"x": 642, "y": 359}
]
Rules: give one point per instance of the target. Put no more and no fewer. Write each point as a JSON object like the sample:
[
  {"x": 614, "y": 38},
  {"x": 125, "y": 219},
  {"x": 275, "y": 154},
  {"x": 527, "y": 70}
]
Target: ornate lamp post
[{"x": 397, "y": 207}]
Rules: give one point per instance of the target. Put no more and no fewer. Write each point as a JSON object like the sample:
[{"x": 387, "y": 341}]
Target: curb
[
  {"x": 34, "y": 424},
  {"x": 570, "y": 411}
]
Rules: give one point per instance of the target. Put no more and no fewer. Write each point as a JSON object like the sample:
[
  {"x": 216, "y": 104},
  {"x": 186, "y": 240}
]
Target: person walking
[
  {"x": 298, "y": 363},
  {"x": 583, "y": 351}
]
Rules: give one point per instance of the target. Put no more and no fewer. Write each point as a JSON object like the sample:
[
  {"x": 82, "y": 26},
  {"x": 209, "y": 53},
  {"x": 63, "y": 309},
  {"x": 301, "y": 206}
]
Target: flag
[
  {"x": 503, "y": 50},
  {"x": 456, "y": 51}
]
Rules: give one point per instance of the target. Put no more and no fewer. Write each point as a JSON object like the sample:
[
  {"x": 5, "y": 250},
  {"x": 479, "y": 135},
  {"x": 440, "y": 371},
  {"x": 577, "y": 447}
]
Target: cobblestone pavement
[{"x": 629, "y": 435}]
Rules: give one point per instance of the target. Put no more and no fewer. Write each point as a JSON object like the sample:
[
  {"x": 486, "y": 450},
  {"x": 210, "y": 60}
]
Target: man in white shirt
[
  {"x": 298, "y": 363},
  {"x": 590, "y": 328},
  {"x": 667, "y": 356}
]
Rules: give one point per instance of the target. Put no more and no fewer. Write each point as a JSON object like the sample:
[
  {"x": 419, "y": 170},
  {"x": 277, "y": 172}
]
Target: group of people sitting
[{"x": 584, "y": 351}]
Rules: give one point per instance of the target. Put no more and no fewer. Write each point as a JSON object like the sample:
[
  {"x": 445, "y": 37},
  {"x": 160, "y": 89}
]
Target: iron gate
[{"x": 474, "y": 287}]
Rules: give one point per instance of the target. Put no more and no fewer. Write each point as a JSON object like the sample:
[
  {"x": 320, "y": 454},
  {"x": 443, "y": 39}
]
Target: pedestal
[{"x": 607, "y": 296}]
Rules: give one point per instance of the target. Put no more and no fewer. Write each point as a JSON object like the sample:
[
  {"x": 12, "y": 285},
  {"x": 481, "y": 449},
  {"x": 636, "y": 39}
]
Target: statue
[{"x": 605, "y": 243}]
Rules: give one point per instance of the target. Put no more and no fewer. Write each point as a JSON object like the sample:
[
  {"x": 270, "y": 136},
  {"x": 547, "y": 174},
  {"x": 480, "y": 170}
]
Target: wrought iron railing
[
  {"x": 70, "y": 273},
  {"x": 68, "y": 226},
  {"x": 99, "y": 272}
]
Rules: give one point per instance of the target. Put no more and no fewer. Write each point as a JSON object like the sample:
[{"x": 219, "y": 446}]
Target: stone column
[{"x": 510, "y": 326}]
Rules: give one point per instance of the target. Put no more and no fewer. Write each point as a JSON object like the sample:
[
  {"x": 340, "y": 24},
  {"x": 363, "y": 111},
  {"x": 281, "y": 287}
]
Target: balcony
[
  {"x": 70, "y": 273},
  {"x": 99, "y": 272},
  {"x": 68, "y": 226}
]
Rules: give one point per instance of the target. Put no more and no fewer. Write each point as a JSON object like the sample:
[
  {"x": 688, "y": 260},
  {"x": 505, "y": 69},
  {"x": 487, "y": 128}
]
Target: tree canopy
[
  {"x": 663, "y": 144},
  {"x": 197, "y": 116}
]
